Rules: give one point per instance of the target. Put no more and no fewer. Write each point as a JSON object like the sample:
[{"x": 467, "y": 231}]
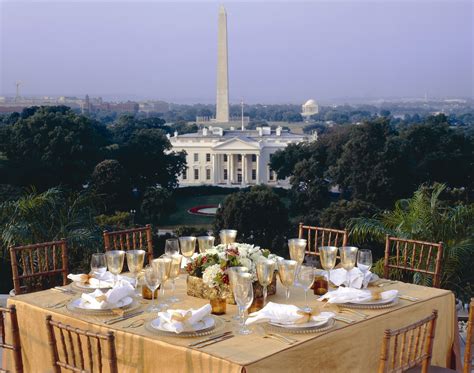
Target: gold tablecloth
[{"x": 344, "y": 348}]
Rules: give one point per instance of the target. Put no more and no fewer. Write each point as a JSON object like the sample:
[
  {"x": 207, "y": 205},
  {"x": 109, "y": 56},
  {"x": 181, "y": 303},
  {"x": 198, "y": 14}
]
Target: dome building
[{"x": 309, "y": 108}]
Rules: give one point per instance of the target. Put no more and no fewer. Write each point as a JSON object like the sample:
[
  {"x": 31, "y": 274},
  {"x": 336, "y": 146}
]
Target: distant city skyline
[{"x": 279, "y": 52}]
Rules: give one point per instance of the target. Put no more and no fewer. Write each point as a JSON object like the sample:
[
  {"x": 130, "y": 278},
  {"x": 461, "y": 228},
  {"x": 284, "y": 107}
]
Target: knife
[
  {"x": 216, "y": 340},
  {"x": 209, "y": 339},
  {"x": 122, "y": 318}
]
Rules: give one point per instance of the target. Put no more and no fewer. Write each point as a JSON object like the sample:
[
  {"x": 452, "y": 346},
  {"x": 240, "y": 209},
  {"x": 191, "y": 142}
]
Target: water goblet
[
  {"x": 287, "y": 273},
  {"x": 364, "y": 263},
  {"x": 328, "y": 256},
  {"x": 172, "y": 246},
  {"x": 243, "y": 294},
  {"x": 305, "y": 276},
  {"x": 152, "y": 282},
  {"x": 174, "y": 273},
  {"x": 265, "y": 270},
  {"x": 162, "y": 266},
  {"x": 188, "y": 245},
  {"x": 227, "y": 236},
  {"x": 115, "y": 259},
  {"x": 232, "y": 273},
  {"x": 98, "y": 265},
  {"x": 297, "y": 247},
  {"x": 135, "y": 260},
  {"x": 205, "y": 243},
  {"x": 348, "y": 260}
]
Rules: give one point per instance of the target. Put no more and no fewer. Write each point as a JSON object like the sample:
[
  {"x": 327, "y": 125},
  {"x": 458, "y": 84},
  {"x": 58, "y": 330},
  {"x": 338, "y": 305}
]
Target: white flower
[
  {"x": 209, "y": 275},
  {"x": 246, "y": 263}
]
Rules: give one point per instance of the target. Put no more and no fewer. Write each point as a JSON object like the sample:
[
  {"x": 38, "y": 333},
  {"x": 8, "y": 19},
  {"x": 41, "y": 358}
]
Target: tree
[
  {"x": 50, "y": 146},
  {"x": 156, "y": 204},
  {"x": 339, "y": 213},
  {"x": 249, "y": 212}
]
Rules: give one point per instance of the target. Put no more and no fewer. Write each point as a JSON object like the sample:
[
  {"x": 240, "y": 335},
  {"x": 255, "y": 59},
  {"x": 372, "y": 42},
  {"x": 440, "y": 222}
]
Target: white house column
[
  {"x": 244, "y": 169},
  {"x": 258, "y": 168},
  {"x": 214, "y": 169},
  {"x": 229, "y": 172}
]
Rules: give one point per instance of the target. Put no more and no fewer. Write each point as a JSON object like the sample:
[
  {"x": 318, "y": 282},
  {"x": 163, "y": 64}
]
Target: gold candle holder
[{"x": 218, "y": 305}]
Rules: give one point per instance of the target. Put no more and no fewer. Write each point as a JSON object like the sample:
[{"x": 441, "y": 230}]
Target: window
[
  {"x": 208, "y": 157},
  {"x": 239, "y": 178},
  {"x": 225, "y": 157},
  {"x": 185, "y": 174},
  {"x": 196, "y": 174},
  {"x": 254, "y": 158},
  {"x": 254, "y": 174},
  {"x": 239, "y": 158},
  {"x": 271, "y": 176},
  {"x": 225, "y": 174},
  {"x": 196, "y": 157},
  {"x": 208, "y": 174}
]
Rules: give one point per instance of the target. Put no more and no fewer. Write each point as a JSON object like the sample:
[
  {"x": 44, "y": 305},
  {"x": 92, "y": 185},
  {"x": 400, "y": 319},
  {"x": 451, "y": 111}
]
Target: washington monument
[{"x": 222, "y": 100}]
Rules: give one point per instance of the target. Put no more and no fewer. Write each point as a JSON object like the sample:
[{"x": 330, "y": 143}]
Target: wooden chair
[
  {"x": 406, "y": 348},
  {"x": 81, "y": 350},
  {"x": 413, "y": 256},
  {"x": 15, "y": 345},
  {"x": 319, "y": 236},
  {"x": 37, "y": 267},
  {"x": 469, "y": 340},
  {"x": 130, "y": 239}
]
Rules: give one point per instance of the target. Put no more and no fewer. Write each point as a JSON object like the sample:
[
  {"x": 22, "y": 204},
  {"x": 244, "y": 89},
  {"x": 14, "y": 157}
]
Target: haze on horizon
[{"x": 278, "y": 51}]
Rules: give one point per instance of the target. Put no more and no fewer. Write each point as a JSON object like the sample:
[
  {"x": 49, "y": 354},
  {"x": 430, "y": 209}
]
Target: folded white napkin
[
  {"x": 355, "y": 277},
  {"x": 286, "y": 314},
  {"x": 351, "y": 295},
  {"x": 99, "y": 279},
  {"x": 99, "y": 300},
  {"x": 178, "y": 321}
]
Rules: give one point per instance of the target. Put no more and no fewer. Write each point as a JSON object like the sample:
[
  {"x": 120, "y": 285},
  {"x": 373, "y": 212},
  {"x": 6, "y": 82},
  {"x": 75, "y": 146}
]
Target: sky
[{"x": 279, "y": 51}]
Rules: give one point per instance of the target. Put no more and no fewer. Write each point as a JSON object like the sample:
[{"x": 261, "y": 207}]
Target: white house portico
[{"x": 232, "y": 157}]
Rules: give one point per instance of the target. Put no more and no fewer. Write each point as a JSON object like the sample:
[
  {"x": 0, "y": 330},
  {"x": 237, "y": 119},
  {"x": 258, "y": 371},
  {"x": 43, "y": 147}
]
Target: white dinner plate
[
  {"x": 103, "y": 286},
  {"x": 314, "y": 323},
  {"x": 375, "y": 302},
  {"x": 206, "y": 323},
  {"x": 84, "y": 305}
]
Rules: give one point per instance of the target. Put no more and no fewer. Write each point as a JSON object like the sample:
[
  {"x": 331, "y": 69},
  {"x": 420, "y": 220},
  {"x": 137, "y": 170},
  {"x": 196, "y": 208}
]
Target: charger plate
[
  {"x": 371, "y": 305},
  {"x": 218, "y": 325},
  {"x": 314, "y": 329}
]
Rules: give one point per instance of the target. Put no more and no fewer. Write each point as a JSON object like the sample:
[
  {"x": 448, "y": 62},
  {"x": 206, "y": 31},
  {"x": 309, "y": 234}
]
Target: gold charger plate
[
  {"x": 371, "y": 306},
  {"x": 109, "y": 312},
  {"x": 316, "y": 329}
]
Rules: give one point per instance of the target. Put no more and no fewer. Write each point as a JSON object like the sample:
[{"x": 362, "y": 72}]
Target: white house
[{"x": 232, "y": 157}]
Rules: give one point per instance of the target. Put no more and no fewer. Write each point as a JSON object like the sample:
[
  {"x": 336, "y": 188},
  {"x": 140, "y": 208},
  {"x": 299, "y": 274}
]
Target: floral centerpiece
[{"x": 208, "y": 271}]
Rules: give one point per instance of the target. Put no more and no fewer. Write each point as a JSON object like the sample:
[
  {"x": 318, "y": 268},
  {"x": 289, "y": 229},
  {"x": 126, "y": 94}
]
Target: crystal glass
[
  {"x": 232, "y": 273},
  {"x": 243, "y": 294},
  {"x": 297, "y": 247},
  {"x": 98, "y": 265},
  {"x": 172, "y": 246},
  {"x": 162, "y": 266},
  {"x": 152, "y": 282},
  {"x": 135, "y": 260},
  {"x": 115, "y": 259},
  {"x": 174, "y": 273},
  {"x": 328, "y": 256},
  {"x": 287, "y": 273},
  {"x": 188, "y": 245},
  {"x": 364, "y": 263},
  {"x": 306, "y": 275},
  {"x": 265, "y": 270},
  {"x": 348, "y": 260},
  {"x": 227, "y": 236},
  {"x": 205, "y": 243}
]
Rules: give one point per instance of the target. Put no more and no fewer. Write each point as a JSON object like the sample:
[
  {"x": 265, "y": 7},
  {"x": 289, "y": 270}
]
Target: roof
[
  {"x": 246, "y": 135},
  {"x": 310, "y": 102}
]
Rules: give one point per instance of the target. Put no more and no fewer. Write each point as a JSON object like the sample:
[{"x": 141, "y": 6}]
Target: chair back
[
  {"x": 413, "y": 256},
  {"x": 469, "y": 340},
  {"x": 407, "y": 347},
  {"x": 130, "y": 239},
  {"x": 319, "y": 236},
  {"x": 38, "y": 266},
  {"x": 80, "y": 350},
  {"x": 15, "y": 345}
]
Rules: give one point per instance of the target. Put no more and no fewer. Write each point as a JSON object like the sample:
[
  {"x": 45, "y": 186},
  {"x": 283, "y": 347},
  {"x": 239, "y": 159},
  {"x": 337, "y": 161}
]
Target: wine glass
[
  {"x": 152, "y": 282},
  {"x": 115, "y": 259},
  {"x": 287, "y": 273},
  {"x": 227, "y": 236},
  {"x": 243, "y": 294},
  {"x": 188, "y": 245},
  {"x": 205, "y": 243},
  {"x": 348, "y": 260},
  {"x": 172, "y": 246},
  {"x": 364, "y": 263},
  {"x": 174, "y": 273},
  {"x": 135, "y": 260},
  {"x": 328, "y": 256},
  {"x": 162, "y": 266},
  {"x": 305, "y": 277},
  {"x": 98, "y": 265},
  {"x": 232, "y": 273},
  {"x": 297, "y": 248},
  {"x": 265, "y": 269}
]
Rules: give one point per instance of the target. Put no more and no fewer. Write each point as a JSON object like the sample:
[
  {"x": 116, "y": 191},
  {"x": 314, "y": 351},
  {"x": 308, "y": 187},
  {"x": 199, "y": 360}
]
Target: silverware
[
  {"x": 216, "y": 340},
  {"x": 386, "y": 283},
  {"x": 122, "y": 318},
  {"x": 58, "y": 304},
  {"x": 409, "y": 298},
  {"x": 357, "y": 313},
  {"x": 205, "y": 340},
  {"x": 135, "y": 324},
  {"x": 64, "y": 290},
  {"x": 265, "y": 334},
  {"x": 288, "y": 339},
  {"x": 344, "y": 319}
]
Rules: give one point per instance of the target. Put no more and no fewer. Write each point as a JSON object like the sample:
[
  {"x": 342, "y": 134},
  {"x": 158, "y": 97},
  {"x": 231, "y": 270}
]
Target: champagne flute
[
  {"x": 348, "y": 260},
  {"x": 232, "y": 273},
  {"x": 243, "y": 294},
  {"x": 364, "y": 263},
  {"x": 115, "y": 259},
  {"x": 98, "y": 266},
  {"x": 328, "y": 256},
  {"x": 174, "y": 273},
  {"x": 135, "y": 260},
  {"x": 205, "y": 243},
  {"x": 306, "y": 276},
  {"x": 172, "y": 246},
  {"x": 227, "y": 236},
  {"x": 265, "y": 269},
  {"x": 188, "y": 245},
  {"x": 297, "y": 247},
  {"x": 162, "y": 266},
  {"x": 152, "y": 282},
  {"x": 287, "y": 273}
]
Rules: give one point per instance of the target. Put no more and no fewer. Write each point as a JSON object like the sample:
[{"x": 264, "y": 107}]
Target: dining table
[{"x": 345, "y": 347}]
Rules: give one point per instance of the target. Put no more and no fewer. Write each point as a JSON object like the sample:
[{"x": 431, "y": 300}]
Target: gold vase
[
  {"x": 219, "y": 305},
  {"x": 146, "y": 293}
]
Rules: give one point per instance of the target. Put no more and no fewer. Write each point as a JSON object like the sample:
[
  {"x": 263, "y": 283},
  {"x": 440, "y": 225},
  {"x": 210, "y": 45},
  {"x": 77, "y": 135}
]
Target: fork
[
  {"x": 135, "y": 324},
  {"x": 357, "y": 313},
  {"x": 344, "y": 319}
]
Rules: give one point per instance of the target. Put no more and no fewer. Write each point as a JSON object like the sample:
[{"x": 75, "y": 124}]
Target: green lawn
[{"x": 183, "y": 204}]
